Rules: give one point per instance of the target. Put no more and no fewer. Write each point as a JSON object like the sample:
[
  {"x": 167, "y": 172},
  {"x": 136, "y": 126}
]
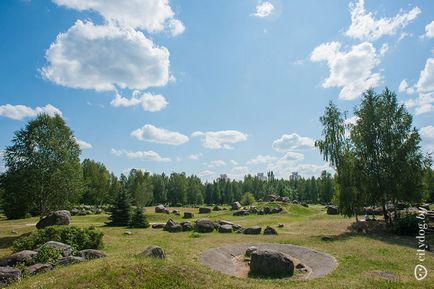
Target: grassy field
[{"x": 361, "y": 257}]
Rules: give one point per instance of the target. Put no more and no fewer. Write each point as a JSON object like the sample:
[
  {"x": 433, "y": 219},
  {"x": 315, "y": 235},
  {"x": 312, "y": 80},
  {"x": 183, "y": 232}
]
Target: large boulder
[
  {"x": 276, "y": 210},
  {"x": 285, "y": 199},
  {"x": 271, "y": 198},
  {"x": 64, "y": 249},
  {"x": 153, "y": 251},
  {"x": 19, "y": 257},
  {"x": 172, "y": 227},
  {"x": 188, "y": 215},
  {"x": 158, "y": 225},
  {"x": 204, "y": 210},
  {"x": 222, "y": 222},
  {"x": 236, "y": 206},
  {"x": 332, "y": 210},
  {"x": 186, "y": 226},
  {"x": 225, "y": 229},
  {"x": 270, "y": 231},
  {"x": 255, "y": 230},
  {"x": 9, "y": 274},
  {"x": 56, "y": 218},
  {"x": 160, "y": 209},
  {"x": 241, "y": 213},
  {"x": 39, "y": 268},
  {"x": 204, "y": 226},
  {"x": 91, "y": 254},
  {"x": 270, "y": 263},
  {"x": 64, "y": 261}
]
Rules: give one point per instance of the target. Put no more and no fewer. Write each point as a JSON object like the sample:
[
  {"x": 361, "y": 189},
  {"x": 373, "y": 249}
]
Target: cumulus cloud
[
  {"x": 114, "y": 57},
  {"x": 217, "y": 163},
  {"x": 18, "y": 112},
  {"x": 427, "y": 134},
  {"x": 207, "y": 175},
  {"x": 350, "y": 70},
  {"x": 426, "y": 78},
  {"x": 405, "y": 87},
  {"x": 261, "y": 159},
  {"x": 364, "y": 25},
  {"x": 290, "y": 142},
  {"x": 429, "y": 30},
  {"x": 220, "y": 139},
  {"x": 195, "y": 157},
  {"x": 238, "y": 173},
  {"x": 83, "y": 144},
  {"x": 424, "y": 103},
  {"x": 140, "y": 155},
  {"x": 263, "y": 9},
  {"x": 149, "y": 102},
  {"x": 149, "y": 15},
  {"x": 154, "y": 134}
]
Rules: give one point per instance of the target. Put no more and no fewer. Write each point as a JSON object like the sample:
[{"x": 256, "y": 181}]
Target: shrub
[
  {"x": 77, "y": 238},
  {"x": 120, "y": 210},
  {"x": 138, "y": 220},
  {"x": 247, "y": 199},
  {"x": 406, "y": 225},
  {"x": 46, "y": 255}
]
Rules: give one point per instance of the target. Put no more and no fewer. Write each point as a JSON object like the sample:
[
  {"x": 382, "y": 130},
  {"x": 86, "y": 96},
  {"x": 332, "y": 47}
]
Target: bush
[
  {"x": 406, "y": 225},
  {"x": 247, "y": 199},
  {"x": 120, "y": 210},
  {"x": 77, "y": 238},
  {"x": 138, "y": 220},
  {"x": 47, "y": 255}
]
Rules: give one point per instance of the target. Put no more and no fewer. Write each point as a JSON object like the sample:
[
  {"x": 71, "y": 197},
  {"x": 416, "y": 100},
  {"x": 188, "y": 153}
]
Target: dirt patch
[{"x": 230, "y": 260}]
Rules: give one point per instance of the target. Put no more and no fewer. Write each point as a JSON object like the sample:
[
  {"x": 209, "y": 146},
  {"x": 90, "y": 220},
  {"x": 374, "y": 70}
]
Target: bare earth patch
[{"x": 230, "y": 259}]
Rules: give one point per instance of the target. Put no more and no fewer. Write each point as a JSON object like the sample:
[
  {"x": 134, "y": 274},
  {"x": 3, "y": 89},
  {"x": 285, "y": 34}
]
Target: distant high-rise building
[{"x": 294, "y": 176}]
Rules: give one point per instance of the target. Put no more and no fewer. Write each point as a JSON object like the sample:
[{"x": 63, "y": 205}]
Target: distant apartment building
[
  {"x": 261, "y": 176},
  {"x": 294, "y": 176}
]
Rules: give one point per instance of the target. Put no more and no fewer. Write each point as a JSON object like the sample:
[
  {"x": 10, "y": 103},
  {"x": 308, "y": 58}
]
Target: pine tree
[
  {"x": 138, "y": 219},
  {"x": 121, "y": 210}
]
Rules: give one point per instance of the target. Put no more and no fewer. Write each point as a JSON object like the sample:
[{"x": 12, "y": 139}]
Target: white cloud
[
  {"x": 217, "y": 163},
  {"x": 426, "y": 78},
  {"x": 263, "y": 9},
  {"x": 105, "y": 57},
  {"x": 427, "y": 132},
  {"x": 384, "y": 48},
  {"x": 220, "y": 139},
  {"x": 404, "y": 87},
  {"x": 141, "y": 155},
  {"x": 238, "y": 173},
  {"x": 429, "y": 30},
  {"x": 262, "y": 159},
  {"x": 149, "y": 102},
  {"x": 195, "y": 157},
  {"x": 351, "y": 120},
  {"x": 293, "y": 156},
  {"x": 364, "y": 25},
  {"x": 83, "y": 144},
  {"x": 154, "y": 134},
  {"x": 233, "y": 162},
  {"x": 18, "y": 112},
  {"x": 290, "y": 142},
  {"x": 352, "y": 70},
  {"x": 424, "y": 103},
  {"x": 149, "y": 15},
  {"x": 207, "y": 175}
]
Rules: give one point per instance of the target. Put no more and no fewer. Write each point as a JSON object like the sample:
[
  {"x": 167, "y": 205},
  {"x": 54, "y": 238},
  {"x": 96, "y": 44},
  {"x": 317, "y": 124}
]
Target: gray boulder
[
  {"x": 255, "y": 230},
  {"x": 160, "y": 209},
  {"x": 186, "y": 226},
  {"x": 64, "y": 261},
  {"x": 153, "y": 251},
  {"x": 39, "y": 268},
  {"x": 204, "y": 226},
  {"x": 270, "y": 231},
  {"x": 19, "y": 257},
  {"x": 221, "y": 222},
  {"x": 9, "y": 274},
  {"x": 332, "y": 210},
  {"x": 91, "y": 254},
  {"x": 285, "y": 199},
  {"x": 172, "y": 227},
  {"x": 270, "y": 263},
  {"x": 204, "y": 210},
  {"x": 56, "y": 218},
  {"x": 225, "y": 229},
  {"x": 158, "y": 225},
  {"x": 188, "y": 215},
  {"x": 64, "y": 249},
  {"x": 249, "y": 251},
  {"x": 241, "y": 213},
  {"x": 236, "y": 206}
]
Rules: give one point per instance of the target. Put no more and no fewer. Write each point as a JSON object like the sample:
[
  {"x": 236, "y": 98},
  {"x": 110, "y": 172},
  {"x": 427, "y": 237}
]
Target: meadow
[{"x": 364, "y": 260}]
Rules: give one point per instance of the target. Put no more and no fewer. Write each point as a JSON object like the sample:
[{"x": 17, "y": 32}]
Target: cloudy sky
[{"x": 209, "y": 87}]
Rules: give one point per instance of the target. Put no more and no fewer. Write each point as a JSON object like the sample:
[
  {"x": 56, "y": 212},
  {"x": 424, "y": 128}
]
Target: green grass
[{"x": 359, "y": 256}]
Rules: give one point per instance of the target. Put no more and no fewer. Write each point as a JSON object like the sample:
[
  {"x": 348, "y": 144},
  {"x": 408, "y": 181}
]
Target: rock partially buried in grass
[
  {"x": 172, "y": 227},
  {"x": 270, "y": 263},
  {"x": 255, "y": 230},
  {"x": 332, "y": 210},
  {"x": 9, "y": 274},
  {"x": 241, "y": 213},
  {"x": 160, "y": 209},
  {"x": 64, "y": 261},
  {"x": 186, "y": 226},
  {"x": 64, "y": 249},
  {"x": 225, "y": 229},
  {"x": 19, "y": 257},
  {"x": 56, "y": 218},
  {"x": 270, "y": 231},
  {"x": 204, "y": 210},
  {"x": 249, "y": 251},
  {"x": 153, "y": 251},
  {"x": 158, "y": 226},
  {"x": 188, "y": 215},
  {"x": 236, "y": 206},
  {"x": 39, "y": 268},
  {"x": 204, "y": 226},
  {"x": 91, "y": 254}
]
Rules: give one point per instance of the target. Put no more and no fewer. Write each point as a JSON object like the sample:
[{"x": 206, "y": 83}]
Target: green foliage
[
  {"x": 139, "y": 187},
  {"x": 77, "y": 238},
  {"x": 407, "y": 225},
  {"x": 138, "y": 219},
  {"x": 47, "y": 255},
  {"x": 120, "y": 210},
  {"x": 42, "y": 168},
  {"x": 247, "y": 199},
  {"x": 96, "y": 179}
]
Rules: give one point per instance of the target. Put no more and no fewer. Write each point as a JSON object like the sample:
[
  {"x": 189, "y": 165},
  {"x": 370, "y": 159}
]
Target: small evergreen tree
[
  {"x": 121, "y": 210},
  {"x": 138, "y": 219},
  {"x": 247, "y": 199}
]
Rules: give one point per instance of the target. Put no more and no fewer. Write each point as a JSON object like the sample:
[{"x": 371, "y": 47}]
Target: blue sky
[{"x": 209, "y": 87}]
